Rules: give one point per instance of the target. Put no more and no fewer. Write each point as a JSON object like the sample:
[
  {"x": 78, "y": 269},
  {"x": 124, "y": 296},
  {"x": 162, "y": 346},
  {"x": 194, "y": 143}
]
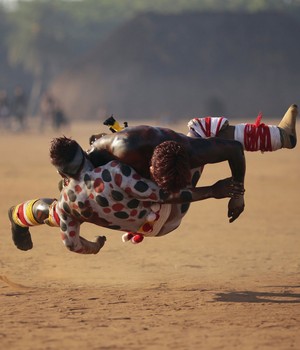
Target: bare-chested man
[{"x": 148, "y": 150}]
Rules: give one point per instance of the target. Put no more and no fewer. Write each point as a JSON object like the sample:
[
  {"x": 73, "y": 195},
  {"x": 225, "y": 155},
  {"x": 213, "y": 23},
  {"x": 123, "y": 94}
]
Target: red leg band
[{"x": 257, "y": 136}]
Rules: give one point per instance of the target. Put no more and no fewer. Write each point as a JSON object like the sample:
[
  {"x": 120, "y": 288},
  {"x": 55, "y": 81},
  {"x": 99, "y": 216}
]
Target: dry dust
[{"x": 208, "y": 285}]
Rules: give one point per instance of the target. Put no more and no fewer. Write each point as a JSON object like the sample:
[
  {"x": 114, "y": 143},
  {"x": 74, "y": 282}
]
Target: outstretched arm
[
  {"x": 70, "y": 230},
  {"x": 226, "y": 188}
]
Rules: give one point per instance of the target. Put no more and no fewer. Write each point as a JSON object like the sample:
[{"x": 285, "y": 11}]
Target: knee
[
  {"x": 41, "y": 209},
  {"x": 238, "y": 145}
]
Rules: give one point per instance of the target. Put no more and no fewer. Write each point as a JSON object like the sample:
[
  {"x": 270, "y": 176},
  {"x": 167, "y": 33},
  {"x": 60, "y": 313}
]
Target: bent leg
[
  {"x": 261, "y": 137},
  {"x": 254, "y": 137},
  {"x": 27, "y": 214}
]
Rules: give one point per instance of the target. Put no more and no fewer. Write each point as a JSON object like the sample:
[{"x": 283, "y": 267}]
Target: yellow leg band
[
  {"x": 53, "y": 219},
  {"x": 23, "y": 214},
  {"x": 16, "y": 218},
  {"x": 29, "y": 212}
]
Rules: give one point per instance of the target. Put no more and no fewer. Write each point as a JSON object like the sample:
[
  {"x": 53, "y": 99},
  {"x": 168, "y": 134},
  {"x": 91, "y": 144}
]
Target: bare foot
[{"x": 287, "y": 127}]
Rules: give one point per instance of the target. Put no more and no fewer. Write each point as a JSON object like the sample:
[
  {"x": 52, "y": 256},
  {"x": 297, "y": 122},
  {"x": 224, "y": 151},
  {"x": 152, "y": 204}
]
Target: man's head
[
  {"x": 66, "y": 155},
  {"x": 170, "y": 167}
]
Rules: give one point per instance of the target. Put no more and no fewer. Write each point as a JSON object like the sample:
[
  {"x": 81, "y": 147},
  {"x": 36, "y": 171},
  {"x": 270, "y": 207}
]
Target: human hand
[
  {"x": 101, "y": 241},
  {"x": 236, "y": 206},
  {"x": 94, "y": 138},
  {"x": 227, "y": 188},
  {"x": 89, "y": 247}
]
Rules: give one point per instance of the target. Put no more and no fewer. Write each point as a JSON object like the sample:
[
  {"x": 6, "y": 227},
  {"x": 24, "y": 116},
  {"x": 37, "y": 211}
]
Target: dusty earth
[{"x": 208, "y": 285}]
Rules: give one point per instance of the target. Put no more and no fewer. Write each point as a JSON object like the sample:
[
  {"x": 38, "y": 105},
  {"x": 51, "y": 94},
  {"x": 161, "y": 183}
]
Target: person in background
[
  {"x": 19, "y": 107},
  {"x": 5, "y": 112}
]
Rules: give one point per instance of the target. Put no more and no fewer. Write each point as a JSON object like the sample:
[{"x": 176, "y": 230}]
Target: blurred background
[{"x": 64, "y": 60}]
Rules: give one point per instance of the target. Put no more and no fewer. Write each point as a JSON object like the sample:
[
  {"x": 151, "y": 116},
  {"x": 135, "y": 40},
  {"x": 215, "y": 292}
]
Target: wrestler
[
  {"x": 135, "y": 145},
  {"x": 262, "y": 137},
  {"x": 114, "y": 196}
]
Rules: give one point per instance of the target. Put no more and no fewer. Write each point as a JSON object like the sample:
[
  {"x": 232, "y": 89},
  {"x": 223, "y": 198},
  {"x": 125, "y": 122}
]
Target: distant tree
[
  {"x": 3, "y": 28},
  {"x": 4, "y": 67},
  {"x": 38, "y": 41},
  {"x": 48, "y": 35}
]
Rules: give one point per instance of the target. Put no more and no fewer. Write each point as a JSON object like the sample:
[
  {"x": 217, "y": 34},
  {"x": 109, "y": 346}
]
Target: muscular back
[{"x": 133, "y": 146}]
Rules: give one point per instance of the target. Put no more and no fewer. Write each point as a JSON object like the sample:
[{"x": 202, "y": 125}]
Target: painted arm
[{"x": 70, "y": 230}]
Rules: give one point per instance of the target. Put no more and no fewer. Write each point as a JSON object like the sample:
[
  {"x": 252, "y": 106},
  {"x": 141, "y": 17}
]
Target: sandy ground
[{"x": 208, "y": 285}]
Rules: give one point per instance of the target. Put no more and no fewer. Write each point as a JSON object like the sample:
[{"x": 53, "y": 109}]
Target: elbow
[
  {"x": 69, "y": 246},
  {"x": 72, "y": 248},
  {"x": 238, "y": 146}
]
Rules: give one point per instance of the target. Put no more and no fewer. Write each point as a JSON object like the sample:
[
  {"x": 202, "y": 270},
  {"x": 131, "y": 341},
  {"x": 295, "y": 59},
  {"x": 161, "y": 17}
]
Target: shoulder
[{"x": 116, "y": 167}]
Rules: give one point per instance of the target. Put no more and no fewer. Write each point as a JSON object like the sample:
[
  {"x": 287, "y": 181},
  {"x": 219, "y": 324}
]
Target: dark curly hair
[
  {"x": 62, "y": 152},
  {"x": 170, "y": 167}
]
